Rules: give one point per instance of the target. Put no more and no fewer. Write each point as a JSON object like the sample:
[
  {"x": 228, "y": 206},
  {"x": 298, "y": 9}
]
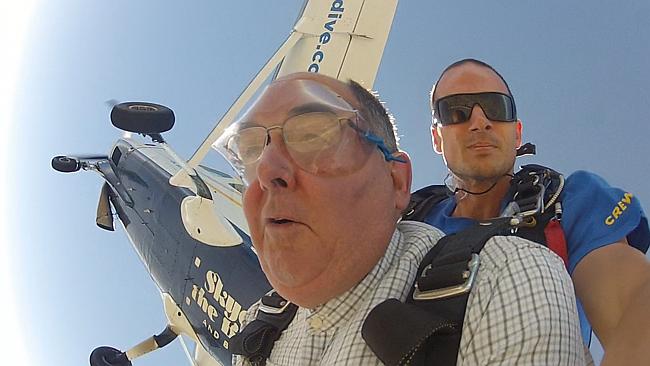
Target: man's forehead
[
  {"x": 325, "y": 81},
  {"x": 299, "y": 93},
  {"x": 469, "y": 78}
]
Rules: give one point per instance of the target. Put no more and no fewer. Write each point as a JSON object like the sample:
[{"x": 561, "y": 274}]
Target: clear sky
[{"x": 578, "y": 71}]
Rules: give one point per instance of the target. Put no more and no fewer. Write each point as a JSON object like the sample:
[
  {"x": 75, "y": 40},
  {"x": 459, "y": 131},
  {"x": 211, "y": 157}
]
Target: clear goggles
[{"x": 321, "y": 132}]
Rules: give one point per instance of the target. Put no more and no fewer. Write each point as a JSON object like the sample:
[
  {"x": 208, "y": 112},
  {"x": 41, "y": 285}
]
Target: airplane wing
[{"x": 340, "y": 38}]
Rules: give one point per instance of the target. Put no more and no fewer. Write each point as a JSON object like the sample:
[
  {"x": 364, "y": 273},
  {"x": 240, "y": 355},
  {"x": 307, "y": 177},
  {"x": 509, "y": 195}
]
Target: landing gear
[
  {"x": 142, "y": 117},
  {"x": 108, "y": 356},
  {"x": 65, "y": 164}
]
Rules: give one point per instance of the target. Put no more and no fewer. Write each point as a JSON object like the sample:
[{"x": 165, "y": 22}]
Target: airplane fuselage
[{"x": 211, "y": 285}]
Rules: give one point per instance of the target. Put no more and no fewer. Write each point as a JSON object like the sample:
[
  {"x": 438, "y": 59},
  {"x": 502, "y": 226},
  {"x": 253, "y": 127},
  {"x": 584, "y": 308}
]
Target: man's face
[
  {"x": 478, "y": 149},
  {"x": 317, "y": 236}
]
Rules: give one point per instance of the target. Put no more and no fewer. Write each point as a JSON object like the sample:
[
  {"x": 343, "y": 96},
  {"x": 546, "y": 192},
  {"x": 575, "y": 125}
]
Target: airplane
[{"x": 185, "y": 219}]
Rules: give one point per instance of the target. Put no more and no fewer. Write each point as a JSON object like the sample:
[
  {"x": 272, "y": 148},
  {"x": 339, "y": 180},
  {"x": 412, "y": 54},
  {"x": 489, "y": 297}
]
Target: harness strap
[
  {"x": 423, "y": 200},
  {"x": 535, "y": 192},
  {"x": 396, "y": 331},
  {"x": 255, "y": 342},
  {"x": 556, "y": 241},
  {"x": 534, "y": 189},
  {"x": 426, "y": 330}
]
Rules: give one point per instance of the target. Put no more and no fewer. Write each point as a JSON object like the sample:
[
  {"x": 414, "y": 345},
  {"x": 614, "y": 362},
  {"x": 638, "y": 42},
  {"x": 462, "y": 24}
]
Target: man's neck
[{"x": 481, "y": 206}]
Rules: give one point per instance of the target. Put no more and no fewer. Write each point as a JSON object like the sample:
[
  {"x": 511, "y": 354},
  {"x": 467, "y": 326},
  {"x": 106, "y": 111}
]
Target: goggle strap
[{"x": 382, "y": 147}]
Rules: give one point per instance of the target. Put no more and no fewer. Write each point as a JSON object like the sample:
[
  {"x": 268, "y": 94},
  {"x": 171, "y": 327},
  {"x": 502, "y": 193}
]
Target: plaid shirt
[{"x": 521, "y": 310}]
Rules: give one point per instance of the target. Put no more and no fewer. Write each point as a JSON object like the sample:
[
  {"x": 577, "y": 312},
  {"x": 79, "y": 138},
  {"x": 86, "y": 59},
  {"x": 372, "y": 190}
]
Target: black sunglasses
[{"x": 457, "y": 108}]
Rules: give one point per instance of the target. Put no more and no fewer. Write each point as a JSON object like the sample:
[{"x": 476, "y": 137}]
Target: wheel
[
  {"x": 142, "y": 117},
  {"x": 108, "y": 356},
  {"x": 65, "y": 164}
]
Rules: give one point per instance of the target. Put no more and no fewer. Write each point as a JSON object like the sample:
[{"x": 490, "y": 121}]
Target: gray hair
[{"x": 373, "y": 111}]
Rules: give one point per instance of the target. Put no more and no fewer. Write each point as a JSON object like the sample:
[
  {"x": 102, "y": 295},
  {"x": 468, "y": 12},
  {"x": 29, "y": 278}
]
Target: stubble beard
[{"x": 479, "y": 175}]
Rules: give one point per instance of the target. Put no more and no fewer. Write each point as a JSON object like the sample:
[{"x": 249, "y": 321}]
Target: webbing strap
[
  {"x": 255, "y": 342},
  {"x": 537, "y": 188},
  {"x": 555, "y": 240},
  {"x": 395, "y": 331},
  {"x": 531, "y": 187},
  {"x": 427, "y": 332},
  {"x": 423, "y": 200}
]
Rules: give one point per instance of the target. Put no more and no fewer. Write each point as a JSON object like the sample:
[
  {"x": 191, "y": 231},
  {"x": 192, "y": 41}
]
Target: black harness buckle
[
  {"x": 255, "y": 341},
  {"x": 528, "y": 198},
  {"x": 273, "y": 303},
  {"x": 469, "y": 275}
]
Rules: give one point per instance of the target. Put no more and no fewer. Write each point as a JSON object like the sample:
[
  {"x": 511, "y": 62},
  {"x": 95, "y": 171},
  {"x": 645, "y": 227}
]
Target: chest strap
[
  {"x": 426, "y": 329},
  {"x": 423, "y": 200},
  {"x": 256, "y": 340}
]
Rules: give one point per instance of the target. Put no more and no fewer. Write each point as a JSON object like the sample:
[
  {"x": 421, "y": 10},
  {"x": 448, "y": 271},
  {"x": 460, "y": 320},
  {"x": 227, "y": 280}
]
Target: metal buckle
[
  {"x": 269, "y": 309},
  {"x": 539, "y": 206},
  {"x": 450, "y": 291}
]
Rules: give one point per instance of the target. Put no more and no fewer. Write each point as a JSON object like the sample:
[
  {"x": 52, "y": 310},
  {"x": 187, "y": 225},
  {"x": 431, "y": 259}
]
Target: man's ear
[
  {"x": 436, "y": 139},
  {"x": 519, "y": 132},
  {"x": 402, "y": 174}
]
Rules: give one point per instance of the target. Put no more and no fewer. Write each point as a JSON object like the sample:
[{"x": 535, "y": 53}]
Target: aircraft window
[
  {"x": 214, "y": 171},
  {"x": 201, "y": 188},
  {"x": 219, "y": 177},
  {"x": 116, "y": 156},
  {"x": 238, "y": 187}
]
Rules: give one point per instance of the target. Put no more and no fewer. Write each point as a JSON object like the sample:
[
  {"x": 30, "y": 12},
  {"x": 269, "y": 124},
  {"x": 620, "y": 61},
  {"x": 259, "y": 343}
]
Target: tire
[
  {"x": 65, "y": 164},
  {"x": 142, "y": 117},
  {"x": 108, "y": 356}
]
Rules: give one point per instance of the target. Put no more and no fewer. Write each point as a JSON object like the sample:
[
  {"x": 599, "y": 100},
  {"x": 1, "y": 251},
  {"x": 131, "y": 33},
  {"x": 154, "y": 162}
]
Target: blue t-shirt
[{"x": 595, "y": 214}]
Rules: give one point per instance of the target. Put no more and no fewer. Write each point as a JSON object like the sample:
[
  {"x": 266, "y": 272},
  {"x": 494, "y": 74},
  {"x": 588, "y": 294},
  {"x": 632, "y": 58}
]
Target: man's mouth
[
  {"x": 481, "y": 145},
  {"x": 279, "y": 221}
]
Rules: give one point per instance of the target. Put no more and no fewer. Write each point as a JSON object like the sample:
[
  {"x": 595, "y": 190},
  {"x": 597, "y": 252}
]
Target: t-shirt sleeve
[{"x": 596, "y": 214}]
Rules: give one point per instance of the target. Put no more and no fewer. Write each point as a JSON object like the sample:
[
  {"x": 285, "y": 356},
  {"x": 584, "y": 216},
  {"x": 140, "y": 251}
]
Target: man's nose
[
  {"x": 275, "y": 169},
  {"x": 478, "y": 119}
]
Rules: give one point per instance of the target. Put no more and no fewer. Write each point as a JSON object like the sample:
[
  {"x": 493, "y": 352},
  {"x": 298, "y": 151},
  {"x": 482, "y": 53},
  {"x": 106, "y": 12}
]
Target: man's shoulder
[
  {"x": 584, "y": 183},
  {"x": 582, "y": 177},
  {"x": 502, "y": 252},
  {"x": 418, "y": 229},
  {"x": 419, "y": 233}
]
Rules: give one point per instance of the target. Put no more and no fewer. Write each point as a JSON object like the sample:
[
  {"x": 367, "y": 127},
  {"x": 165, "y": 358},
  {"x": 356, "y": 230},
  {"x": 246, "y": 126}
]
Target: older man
[{"x": 325, "y": 188}]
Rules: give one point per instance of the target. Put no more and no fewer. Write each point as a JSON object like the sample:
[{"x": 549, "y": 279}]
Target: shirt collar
[{"x": 340, "y": 309}]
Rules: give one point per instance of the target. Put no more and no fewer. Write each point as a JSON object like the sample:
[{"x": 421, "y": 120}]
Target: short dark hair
[
  {"x": 372, "y": 110},
  {"x": 462, "y": 62}
]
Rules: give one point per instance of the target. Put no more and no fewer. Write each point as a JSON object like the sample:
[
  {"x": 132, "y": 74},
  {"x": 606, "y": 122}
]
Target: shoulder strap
[
  {"x": 256, "y": 339},
  {"x": 534, "y": 194},
  {"x": 426, "y": 330},
  {"x": 423, "y": 200},
  {"x": 534, "y": 189}
]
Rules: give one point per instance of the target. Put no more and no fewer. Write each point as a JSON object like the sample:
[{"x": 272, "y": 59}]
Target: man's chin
[
  {"x": 288, "y": 273},
  {"x": 297, "y": 282}
]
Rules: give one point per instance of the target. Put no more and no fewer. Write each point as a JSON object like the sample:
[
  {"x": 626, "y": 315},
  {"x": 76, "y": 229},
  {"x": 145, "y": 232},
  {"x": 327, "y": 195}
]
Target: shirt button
[{"x": 316, "y": 322}]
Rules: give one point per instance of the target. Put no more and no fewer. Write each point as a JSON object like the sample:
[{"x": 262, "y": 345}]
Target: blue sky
[{"x": 578, "y": 71}]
